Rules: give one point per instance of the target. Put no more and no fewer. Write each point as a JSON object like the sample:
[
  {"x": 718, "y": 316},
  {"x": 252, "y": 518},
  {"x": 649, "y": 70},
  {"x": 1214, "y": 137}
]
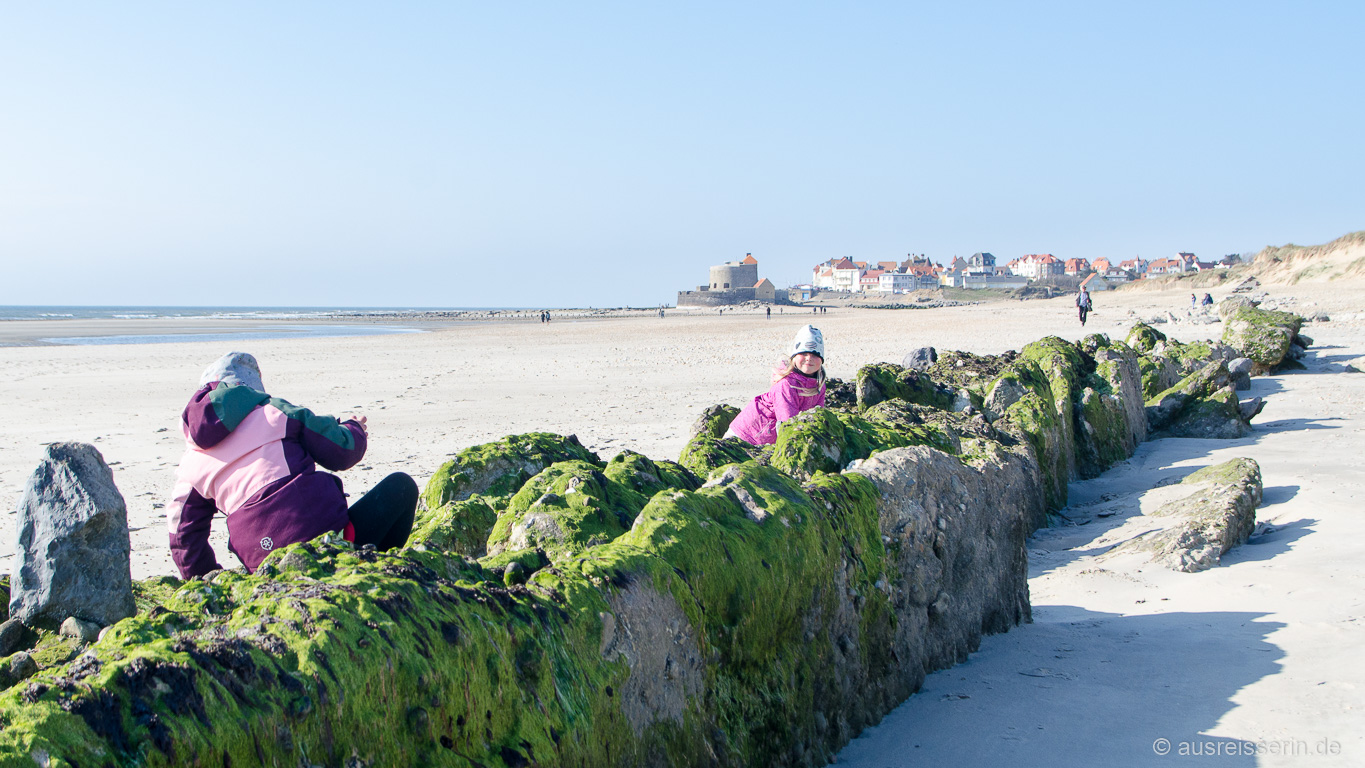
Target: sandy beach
[{"x": 1120, "y": 654}]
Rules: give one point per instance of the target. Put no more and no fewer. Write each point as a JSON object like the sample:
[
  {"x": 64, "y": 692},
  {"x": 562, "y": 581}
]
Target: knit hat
[
  {"x": 234, "y": 369},
  {"x": 808, "y": 339}
]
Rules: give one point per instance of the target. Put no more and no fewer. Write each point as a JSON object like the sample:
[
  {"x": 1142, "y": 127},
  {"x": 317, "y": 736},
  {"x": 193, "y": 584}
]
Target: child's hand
[{"x": 361, "y": 421}]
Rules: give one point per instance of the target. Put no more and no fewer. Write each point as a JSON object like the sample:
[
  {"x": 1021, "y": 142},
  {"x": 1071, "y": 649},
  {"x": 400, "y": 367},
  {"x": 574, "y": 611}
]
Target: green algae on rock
[{"x": 501, "y": 467}]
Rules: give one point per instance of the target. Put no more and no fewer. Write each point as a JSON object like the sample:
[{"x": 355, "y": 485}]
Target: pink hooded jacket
[{"x": 789, "y": 395}]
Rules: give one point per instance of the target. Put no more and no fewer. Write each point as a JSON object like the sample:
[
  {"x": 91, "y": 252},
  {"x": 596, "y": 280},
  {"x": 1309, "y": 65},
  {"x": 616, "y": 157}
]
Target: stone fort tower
[
  {"x": 735, "y": 274},
  {"x": 733, "y": 282}
]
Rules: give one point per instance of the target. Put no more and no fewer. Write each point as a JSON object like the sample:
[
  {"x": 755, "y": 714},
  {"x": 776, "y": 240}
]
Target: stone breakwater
[{"x": 741, "y": 606}]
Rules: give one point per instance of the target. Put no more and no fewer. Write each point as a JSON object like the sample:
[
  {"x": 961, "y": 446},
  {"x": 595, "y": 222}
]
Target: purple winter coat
[
  {"x": 251, "y": 456},
  {"x": 757, "y": 422}
]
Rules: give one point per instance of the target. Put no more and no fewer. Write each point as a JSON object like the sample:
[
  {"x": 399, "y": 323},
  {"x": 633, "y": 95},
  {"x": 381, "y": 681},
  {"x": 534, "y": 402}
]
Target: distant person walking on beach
[
  {"x": 1083, "y": 305},
  {"x": 1194, "y": 301},
  {"x": 770, "y": 312},
  {"x": 253, "y": 457},
  {"x": 798, "y": 385}
]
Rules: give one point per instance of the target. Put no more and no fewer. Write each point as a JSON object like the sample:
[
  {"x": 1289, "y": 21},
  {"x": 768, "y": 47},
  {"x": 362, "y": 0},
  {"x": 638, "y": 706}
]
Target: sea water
[{"x": 297, "y": 327}]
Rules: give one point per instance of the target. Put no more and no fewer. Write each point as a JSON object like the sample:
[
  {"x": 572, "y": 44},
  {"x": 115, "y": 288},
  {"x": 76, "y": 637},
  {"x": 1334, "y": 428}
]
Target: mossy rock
[
  {"x": 1262, "y": 335},
  {"x": 939, "y": 429},
  {"x": 715, "y": 420},
  {"x": 1033, "y": 419},
  {"x": 966, "y": 371},
  {"x": 879, "y": 382},
  {"x": 1144, "y": 338},
  {"x": 1110, "y": 416},
  {"x": 1203, "y": 404},
  {"x": 704, "y": 453},
  {"x": 841, "y": 394},
  {"x": 563, "y": 510},
  {"x": 501, "y": 467},
  {"x": 646, "y": 476},
  {"x": 826, "y": 440},
  {"x": 458, "y": 526}
]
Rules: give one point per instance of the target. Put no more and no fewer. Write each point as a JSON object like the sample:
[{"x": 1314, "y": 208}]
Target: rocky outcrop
[
  {"x": 1218, "y": 515},
  {"x": 742, "y": 606},
  {"x": 72, "y": 557}
]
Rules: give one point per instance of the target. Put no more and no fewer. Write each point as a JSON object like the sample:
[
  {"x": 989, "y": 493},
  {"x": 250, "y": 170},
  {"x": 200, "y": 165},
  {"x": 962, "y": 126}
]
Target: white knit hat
[
  {"x": 808, "y": 339},
  {"x": 234, "y": 369}
]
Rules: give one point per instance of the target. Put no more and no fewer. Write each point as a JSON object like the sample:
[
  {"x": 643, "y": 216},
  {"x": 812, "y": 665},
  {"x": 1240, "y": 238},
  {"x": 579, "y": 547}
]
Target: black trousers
[{"x": 383, "y": 517}]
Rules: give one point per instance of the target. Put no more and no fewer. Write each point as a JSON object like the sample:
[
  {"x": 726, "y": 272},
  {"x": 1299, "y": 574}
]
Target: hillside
[
  {"x": 1290, "y": 264},
  {"x": 1277, "y": 265}
]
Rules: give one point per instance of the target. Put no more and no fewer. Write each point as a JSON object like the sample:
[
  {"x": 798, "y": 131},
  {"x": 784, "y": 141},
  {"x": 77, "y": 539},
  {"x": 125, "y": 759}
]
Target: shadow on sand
[{"x": 1081, "y": 688}]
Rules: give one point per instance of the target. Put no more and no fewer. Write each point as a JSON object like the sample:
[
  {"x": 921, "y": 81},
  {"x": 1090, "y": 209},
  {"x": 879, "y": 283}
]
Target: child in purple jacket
[
  {"x": 798, "y": 385},
  {"x": 253, "y": 457}
]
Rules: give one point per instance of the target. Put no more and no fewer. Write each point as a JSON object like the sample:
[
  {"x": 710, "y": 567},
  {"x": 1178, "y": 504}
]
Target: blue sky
[{"x": 569, "y": 154}]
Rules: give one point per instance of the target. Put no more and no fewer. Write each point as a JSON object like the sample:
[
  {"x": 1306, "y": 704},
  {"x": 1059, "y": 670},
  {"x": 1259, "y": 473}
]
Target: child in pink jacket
[{"x": 798, "y": 385}]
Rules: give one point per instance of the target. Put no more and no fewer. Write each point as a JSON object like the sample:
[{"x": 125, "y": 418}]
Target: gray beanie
[
  {"x": 235, "y": 369},
  {"x": 808, "y": 339}
]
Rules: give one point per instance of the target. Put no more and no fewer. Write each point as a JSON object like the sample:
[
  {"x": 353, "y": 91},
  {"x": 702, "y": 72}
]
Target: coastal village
[{"x": 736, "y": 282}]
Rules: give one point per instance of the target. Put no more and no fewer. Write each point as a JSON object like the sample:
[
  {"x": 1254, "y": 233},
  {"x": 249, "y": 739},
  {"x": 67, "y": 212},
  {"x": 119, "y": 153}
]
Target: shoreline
[{"x": 41, "y": 332}]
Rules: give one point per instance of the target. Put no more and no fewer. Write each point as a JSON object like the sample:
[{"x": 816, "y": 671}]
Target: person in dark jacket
[{"x": 254, "y": 458}]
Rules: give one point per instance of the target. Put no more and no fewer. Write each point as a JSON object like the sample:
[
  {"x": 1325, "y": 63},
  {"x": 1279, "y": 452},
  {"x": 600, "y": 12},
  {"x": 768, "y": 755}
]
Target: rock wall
[{"x": 743, "y": 606}]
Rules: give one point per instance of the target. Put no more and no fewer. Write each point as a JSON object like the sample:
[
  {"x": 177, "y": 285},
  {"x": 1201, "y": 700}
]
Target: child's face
[{"x": 807, "y": 363}]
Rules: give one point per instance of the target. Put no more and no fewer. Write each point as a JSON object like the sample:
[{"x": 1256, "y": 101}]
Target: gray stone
[
  {"x": 652, "y": 635},
  {"x": 11, "y": 636},
  {"x": 82, "y": 631},
  {"x": 1006, "y": 392},
  {"x": 1240, "y": 372},
  {"x": 1250, "y": 409},
  {"x": 72, "y": 557},
  {"x": 920, "y": 359},
  {"x": 960, "y": 569},
  {"x": 22, "y": 666}
]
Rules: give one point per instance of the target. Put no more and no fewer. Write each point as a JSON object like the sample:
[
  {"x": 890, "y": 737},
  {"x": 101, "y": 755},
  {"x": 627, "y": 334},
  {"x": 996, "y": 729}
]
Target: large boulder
[
  {"x": 1264, "y": 336},
  {"x": 72, "y": 557}
]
